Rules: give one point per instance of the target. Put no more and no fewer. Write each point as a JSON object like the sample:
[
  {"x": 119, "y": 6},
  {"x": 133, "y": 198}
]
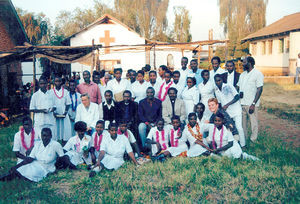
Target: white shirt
[
  {"x": 139, "y": 90},
  {"x": 190, "y": 98},
  {"x": 206, "y": 91},
  {"x": 131, "y": 137},
  {"x": 225, "y": 95},
  {"x": 117, "y": 87},
  {"x": 105, "y": 134},
  {"x": 156, "y": 87},
  {"x": 212, "y": 74},
  {"x": 183, "y": 76},
  {"x": 61, "y": 99},
  {"x": 162, "y": 139},
  {"x": 181, "y": 141},
  {"x": 248, "y": 83},
  {"x": 102, "y": 88},
  {"x": 72, "y": 114},
  {"x": 189, "y": 136},
  {"x": 164, "y": 87},
  {"x": 41, "y": 100},
  {"x": 298, "y": 62},
  {"x": 227, "y": 135},
  {"x": 179, "y": 88},
  {"x": 90, "y": 116},
  {"x": 230, "y": 78}
]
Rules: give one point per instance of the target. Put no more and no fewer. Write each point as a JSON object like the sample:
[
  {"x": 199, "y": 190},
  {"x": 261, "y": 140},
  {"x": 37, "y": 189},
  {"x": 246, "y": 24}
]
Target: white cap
[{"x": 117, "y": 66}]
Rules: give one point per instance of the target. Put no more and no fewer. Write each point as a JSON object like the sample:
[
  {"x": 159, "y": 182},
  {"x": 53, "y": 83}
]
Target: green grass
[{"x": 184, "y": 180}]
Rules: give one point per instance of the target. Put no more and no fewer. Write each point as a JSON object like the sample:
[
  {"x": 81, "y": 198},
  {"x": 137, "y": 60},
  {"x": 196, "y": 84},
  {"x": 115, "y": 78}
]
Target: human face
[
  {"x": 108, "y": 97},
  {"x": 132, "y": 76},
  {"x": 80, "y": 133},
  {"x": 172, "y": 95},
  {"x": 86, "y": 77},
  {"x": 27, "y": 125},
  {"x": 161, "y": 72},
  {"x": 246, "y": 65},
  {"x": 152, "y": 77},
  {"x": 189, "y": 83},
  {"x": 106, "y": 78},
  {"x": 160, "y": 125},
  {"x": 194, "y": 65},
  {"x": 215, "y": 64},
  {"x": 229, "y": 67},
  {"x": 123, "y": 127},
  {"x": 43, "y": 85},
  {"x": 126, "y": 97},
  {"x": 219, "y": 82},
  {"x": 192, "y": 120},
  {"x": 218, "y": 122},
  {"x": 99, "y": 128},
  {"x": 176, "y": 78},
  {"x": 113, "y": 131},
  {"x": 199, "y": 109},
  {"x": 167, "y": 77},
  {"x": 57, "y": 82},
  {"x": 118, "y": 75},
  {"x": 176, "y": 124},
  {"x": 206, "y": 76},
  {"x": 184, "y": 62},
  {"x": 140, "y": 77},
  {"x": 213, "y": 107},
  {"x": 150, "y": 93},
  {"x": 46, "y": 137},
  {"x": 96, "y": 79},
  {"x": 85, "y": 101},
  {"x": 72, "y": 87}
]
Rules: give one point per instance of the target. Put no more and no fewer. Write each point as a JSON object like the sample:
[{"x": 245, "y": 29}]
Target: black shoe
[
  {"x": 92, "y": 174},
  {"x": 72, "y": 167}
]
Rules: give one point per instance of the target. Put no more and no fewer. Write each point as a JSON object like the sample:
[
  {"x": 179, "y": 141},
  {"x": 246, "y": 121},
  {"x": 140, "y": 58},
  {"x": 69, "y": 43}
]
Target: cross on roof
[{"x": 107, "y": 40}]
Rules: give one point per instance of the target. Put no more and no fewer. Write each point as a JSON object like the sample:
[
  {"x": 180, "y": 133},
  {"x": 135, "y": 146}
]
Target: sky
[{"x": 204, "y": 13}]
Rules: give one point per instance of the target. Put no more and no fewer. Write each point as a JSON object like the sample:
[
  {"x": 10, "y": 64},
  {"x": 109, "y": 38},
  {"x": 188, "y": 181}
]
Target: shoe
[
  {"x": 72, "y": 167},
  {"x": 92, "y": 174}
]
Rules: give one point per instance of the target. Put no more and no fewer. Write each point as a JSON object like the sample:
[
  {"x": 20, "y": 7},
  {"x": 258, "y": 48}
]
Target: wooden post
[
  {"x": 34, "y": 73},
  {"x": 210, "y": 49},
  {"x": 199, "y": 52},
  {"x": 154, "y": 57},
  {"x": 93, "y": 57},
  {"x": 182, "y": 53}
]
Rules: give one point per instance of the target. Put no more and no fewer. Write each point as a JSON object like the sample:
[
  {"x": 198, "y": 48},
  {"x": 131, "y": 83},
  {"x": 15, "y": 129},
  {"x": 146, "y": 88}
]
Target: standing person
[
  {"x": 139, "y": 86},
  {"x": 206, "y": 89},
  {"x": 96, "y": 77},
  {"x": 215, "y": 62},
  {"x": 87, "y": 112},
  {"x": 161, "y": 71},
  {"x": 153, "y": 82},
  {"x": 118, "y": 85},
  {"x": 229, "y": 99},
  {"x": 146, "y": 69},
  {"x": 75, "y": 101},
  {"x": 251, "y": 86},
  {"x": 176, "y": 83},
  {"x": 24, "y": 140},
  {"x": 195, "y": 71},
  {"x": 132, "y": 76},
  {"x": 42, "y": 105},
  {"x": 231, "y": 76},
  {"x": 90, "y": 87},
  {"x": 62, "y": 102},
  {"x": 103, "y": 87},
  {"x": 107, "y": 109},
  {"x": 297, "y": 69},
  {"x": 184, "y": 71},
  {"x": 164, "y": 87},
  {"x": 149, "y": 111},
  {"x": 190, "y": 95}
]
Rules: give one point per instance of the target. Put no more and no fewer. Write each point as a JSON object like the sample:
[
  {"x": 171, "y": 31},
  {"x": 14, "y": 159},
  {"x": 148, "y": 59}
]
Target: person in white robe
[
  {"x": 42, "y": 105},
  {"x": 199, "y": 109},
  {"x": 77, "y": 147},
  {"x": 40, "y": 162},
  {"x": 154, "y": 83},
  {"x": 103, "y": 87},
  {"x": 62, "y": 103},
  {"x": 184, "y": 71},
  {"x": 215, "y": 62},
  {"x": 190, "y": 95},
  {"x": 206, "y": 90},
  {"x": 164, "y": 87},
  {"x": 176, "y": 83},
  {"x": 24, "y": 140},
  {"x": 139, "y": 87},
  {"x": 75, "y": 101}
]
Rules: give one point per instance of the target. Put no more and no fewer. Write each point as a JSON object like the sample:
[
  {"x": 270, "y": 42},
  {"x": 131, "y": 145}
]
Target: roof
[
  {"x": 283, "y": 26},
  {"x": 11, "y": 20},
  {"x": 106, "y": 18}
]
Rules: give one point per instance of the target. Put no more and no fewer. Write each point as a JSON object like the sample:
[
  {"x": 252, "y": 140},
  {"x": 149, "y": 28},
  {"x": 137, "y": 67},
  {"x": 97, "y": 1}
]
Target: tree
[
  {"x": 182, "y": 25},
  {"x": 240, "y": 18}
]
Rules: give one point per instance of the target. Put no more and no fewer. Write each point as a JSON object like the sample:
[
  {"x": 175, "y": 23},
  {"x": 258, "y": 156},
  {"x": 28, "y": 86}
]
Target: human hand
[
  {"x": 251, "y": 109},
  {"x": 225, "y": 107}
]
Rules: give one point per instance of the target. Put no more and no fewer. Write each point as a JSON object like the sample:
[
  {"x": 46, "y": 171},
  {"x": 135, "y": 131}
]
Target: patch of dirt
[{"x": 289, "y": 131}]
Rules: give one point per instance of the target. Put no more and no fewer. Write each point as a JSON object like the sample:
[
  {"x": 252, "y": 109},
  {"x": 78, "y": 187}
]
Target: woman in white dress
[
  {"x": 199, "y": 109},
  {"x": 77, "y": 147},
  {"x": 206, "y": 90},
  {"x": 139, "y": 87},
  {"x": 40, "y": 162},
  {"x": 112, "y": 151},
  {"x": 166, "y": 84},
  {"x": 190, "y": 95}
]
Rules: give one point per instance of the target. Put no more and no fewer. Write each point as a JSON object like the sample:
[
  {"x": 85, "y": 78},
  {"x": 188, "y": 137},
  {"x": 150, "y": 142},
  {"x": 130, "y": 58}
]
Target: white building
[
  {"x": 109, "y": 31},
  {"x": 275, "y": 47}
]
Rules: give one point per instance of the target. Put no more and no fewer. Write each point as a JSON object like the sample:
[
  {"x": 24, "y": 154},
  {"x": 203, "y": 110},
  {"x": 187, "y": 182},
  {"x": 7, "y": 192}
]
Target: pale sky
[{"x": 204, "y": 13}]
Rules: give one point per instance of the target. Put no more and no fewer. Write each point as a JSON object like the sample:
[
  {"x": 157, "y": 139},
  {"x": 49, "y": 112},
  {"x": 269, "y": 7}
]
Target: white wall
[{"x": 294, "y": 50}]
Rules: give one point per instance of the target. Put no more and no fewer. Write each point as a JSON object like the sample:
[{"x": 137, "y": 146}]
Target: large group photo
[{"x": 98, "y": 109}]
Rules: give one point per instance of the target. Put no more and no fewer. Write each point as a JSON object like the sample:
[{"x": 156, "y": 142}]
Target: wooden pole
[
  {"x": 34, "y": 73},
  {"x": 93, "y": 57},
  {"x": 199, "y": 54},
  {"x": 154, "y": 57}
]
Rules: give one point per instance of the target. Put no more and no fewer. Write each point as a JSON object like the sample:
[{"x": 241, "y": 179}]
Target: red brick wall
[{"x": 6, "y": 42}]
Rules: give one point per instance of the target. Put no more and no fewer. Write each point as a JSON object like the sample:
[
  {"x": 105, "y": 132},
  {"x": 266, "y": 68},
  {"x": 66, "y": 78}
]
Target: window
[
  {"x": 270, "y": 46},
  {"x": 263, "y": 47},
  {"x": 287, "y": 46},
  {"x": 281, "y": 45},
  {"x": 253, "y": 50}
]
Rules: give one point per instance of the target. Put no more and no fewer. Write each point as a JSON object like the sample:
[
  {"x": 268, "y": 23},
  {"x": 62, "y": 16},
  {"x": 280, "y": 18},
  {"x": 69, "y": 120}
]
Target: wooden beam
[{"x": 34, "y": 74}]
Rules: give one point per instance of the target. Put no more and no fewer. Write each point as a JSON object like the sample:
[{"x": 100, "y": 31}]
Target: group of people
[{"x": 188, "y": 112}]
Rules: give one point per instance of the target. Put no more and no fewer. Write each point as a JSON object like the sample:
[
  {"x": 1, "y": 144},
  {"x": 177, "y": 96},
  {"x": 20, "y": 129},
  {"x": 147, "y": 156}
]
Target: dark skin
[
  {"x": 176, "y": 78},
  {"x": 58, "y": 85},
  {"x": 167, "y": 77},
  {"x": 96, "y": 79},
  {"x": 219, "y": 83},
  {"x": 190, "y": 83},
  {"x": 230, "y": 67},
  {"x": 199, "y": 110},
  {"x": 172, "y": 95},
  {"x": 108, "y": 97},
  {"x": 193, "y": 122},
  {"x": 205, "y": 77},
  {"x": 215, "y": 64},
  {"x": 176, "y": 124},
  {"x": 72, "y": 87},
  {"x": 27, "y": 125},
  {"x": 127, "y": 98},
  {"x": 123, "y": 127},
  {"x": 150, "y": 99},
  {"x": 219, "y": 124},
  {"x": 86, "y": 77},
  {"x": 248, "y": 67},
  {"x": 184, "y": 63},
  {"x": 194, "y": 66},
  {"x": 152, "y": 78},
  {"x": 160, "y": 127},
  {"x": 99, "y": 130},
  {"x": 161, "y": 72},
  {"x": 113, "y": 134},
  {"x": 118, "y": 75},
  {"x": 132, "y": 76}
]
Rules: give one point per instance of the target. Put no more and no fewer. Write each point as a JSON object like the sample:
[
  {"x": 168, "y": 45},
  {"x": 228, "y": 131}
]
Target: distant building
[{"x": 275, "y": 47}]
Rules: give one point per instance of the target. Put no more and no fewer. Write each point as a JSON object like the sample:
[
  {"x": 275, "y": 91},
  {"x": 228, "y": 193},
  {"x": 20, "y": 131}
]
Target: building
[
  {"x": 109, "y": 31},
  {"x": 276, "y": 47},
  {"x": 12, "y": 34}
]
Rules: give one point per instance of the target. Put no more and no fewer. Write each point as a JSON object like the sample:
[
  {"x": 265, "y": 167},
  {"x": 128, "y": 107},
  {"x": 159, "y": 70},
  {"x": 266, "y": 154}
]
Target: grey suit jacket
[{"x": 167, "y": 110}]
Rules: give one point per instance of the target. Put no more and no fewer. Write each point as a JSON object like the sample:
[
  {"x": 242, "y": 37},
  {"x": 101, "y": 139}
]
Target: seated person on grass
[
  {"x": 40, "y": 162},
  {"x": 77, "y": 147},
  {"x": 112, "y": 151},
  {"x": 158, "y": 138},
  {"x": 24, "y": 140},
  {"x": 122, "y": 130},
  {"x": 199, "y": 109}
]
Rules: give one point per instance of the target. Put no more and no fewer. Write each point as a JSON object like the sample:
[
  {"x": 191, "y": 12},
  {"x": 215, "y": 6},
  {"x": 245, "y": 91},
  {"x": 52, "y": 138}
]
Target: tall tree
[
  {"x": 182, "y": 25},
  {"x": 240, "y": 18}
]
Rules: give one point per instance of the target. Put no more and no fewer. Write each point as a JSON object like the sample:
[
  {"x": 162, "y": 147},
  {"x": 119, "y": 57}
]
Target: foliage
[
  {"x": 240, "y": 18},
  {"x": 182, "y": 25}
]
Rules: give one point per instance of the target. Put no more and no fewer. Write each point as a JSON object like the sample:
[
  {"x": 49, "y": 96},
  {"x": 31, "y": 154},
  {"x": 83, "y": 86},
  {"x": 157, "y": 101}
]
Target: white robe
[
  {"x": 71, "y": 113},
  {"x": 163, "y": 141},
  {"x": 90, "y": 116},
  {"x": 207, "y": 92},
  {"x": 44, "y": 163},
  {"x": 179, "y": 88},
  {"x": 117, "y": 87},
  {"x": 181, "y": 142},
  {"x": 156, "y": 87},
  {"x": 63, "y": 125},
  {"x": 114, "y": 151},
  {"x": 75, "y": 149},
  {"x": 139, "y": 90},
  {"x": 105, "y": 134},
  {"x": 164, "y": 87},
  {"x": 190, "y": 98}
]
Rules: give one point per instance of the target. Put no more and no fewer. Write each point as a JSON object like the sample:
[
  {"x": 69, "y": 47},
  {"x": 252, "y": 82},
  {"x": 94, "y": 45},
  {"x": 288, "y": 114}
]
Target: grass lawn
[{"x": 204, "y": 179}]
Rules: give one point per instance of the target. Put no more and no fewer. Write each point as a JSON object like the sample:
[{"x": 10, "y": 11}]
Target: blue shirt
[{"x": 198, "y": 76}]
